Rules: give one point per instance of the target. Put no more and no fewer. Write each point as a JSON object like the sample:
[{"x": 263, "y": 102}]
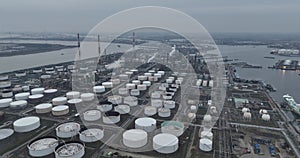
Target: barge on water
[{"x": 292, "y": 104}]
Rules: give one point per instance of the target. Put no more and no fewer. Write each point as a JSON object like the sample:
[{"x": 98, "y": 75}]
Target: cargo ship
[{"x": 292, "y": 104}]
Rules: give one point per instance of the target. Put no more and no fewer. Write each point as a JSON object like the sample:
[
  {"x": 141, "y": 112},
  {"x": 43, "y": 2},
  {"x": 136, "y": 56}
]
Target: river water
[
  {"x": 18, "y": 62},
  {"x": 286, "y": 82}
]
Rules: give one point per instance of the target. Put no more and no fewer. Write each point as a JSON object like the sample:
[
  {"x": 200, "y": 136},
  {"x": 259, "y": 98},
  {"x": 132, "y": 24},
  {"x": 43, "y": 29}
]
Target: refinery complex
[{"x": 131, "y": 104}]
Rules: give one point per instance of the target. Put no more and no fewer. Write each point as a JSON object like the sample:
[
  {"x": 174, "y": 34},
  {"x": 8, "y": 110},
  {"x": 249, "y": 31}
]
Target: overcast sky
[{"x": 275, "y": 16}]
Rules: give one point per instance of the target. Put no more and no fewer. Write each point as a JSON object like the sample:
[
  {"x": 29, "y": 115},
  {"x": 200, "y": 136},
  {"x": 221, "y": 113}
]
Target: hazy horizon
[{"x": 68, "y": 16}]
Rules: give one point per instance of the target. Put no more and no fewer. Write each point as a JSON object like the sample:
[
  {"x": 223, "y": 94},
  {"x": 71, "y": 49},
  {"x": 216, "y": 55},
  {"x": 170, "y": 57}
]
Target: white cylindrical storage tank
[
  {"x": 115, "y": 99},
  {"x": 74, "y": 101},
  {"x": 123, "y": 77},
  {"x": 92, "y": 115},
  {"x": 115, "y": 81},
  {"x": 135, "y": 138},
  {"x": 191, "y": 116},
  {"x": 5, "y": 133},
  {"x": 91, "y": 135},
  {"x": 129, "y": 73},
  {"x": 6, "y": 93},
  {"x": 20, "y": 104},
  {"x": 107, "y": 84},
  {"x": 155, "y": 95},
  {"x": 157, "y": 75},
  {"x": 4, "y": 77},
  {"x": 123, "y": 91},
  {"x": 193, "y": 108},
  {"x": 135, "y": 92},
  {"x": 5, "y": 102},
  {"x": 164, "y": 112},
  {"x": 178, "y": 82},
  {"x": 245, "y": 110},
  {"x": 130, "y": 86},
  {"x": 165, "y": 143},
  {"x": 167, "y": 96},
  {"x": 42, "y": 146},
  {"x": 25, "y": 88},
  {"x": 207, "y": 118},
  {"x": 20, "y": 74},
  {"x": 147, "y": 124},
  {"x": 266, "y": 117},
  {"x": 213, "y": 110},
  {"x": 43, "y": 108},
  {"x": 247, "y": 115},
  {"x": 147, "y": 74},
  {"x": 263, "y": 111},
  {"x": 98, "y": 89},
  {"x": 104, "y": 106},
  {"x": 142, "y": 87},
  {"x": 131, "y": 101},
  {"x": 70, "y": 150},
  {"x": 142, "y": 78},
  {"x": 73, "y": 95},
  {"x": 156, "y": 103},
  {"x": 111, "y": 117},
  {"x": 169, "y": 81},
  {"x": 207, "y": 134},
  {"x": 17, "y": 89},
  {"x": 22, "y": 96},
  {"x": 49, "y": 92},
  {"x": 170, "y": 104},
  {"x": 67, "y": 130},
  {"x": 205, "y": 145},
  {"x": 49, "y": 68},
  {"x": 122, "y": 109},
  {"x": 161, "y": 72},
  {"x": 26, "y": 124},
  {"x": 136, "y": 82},
  {"x": 35, "y": 98},
  {"x": 37, "y": 90},
  {"x": 60, "y": 110},
  {"x": 172, "y": 127},
  {"x": 134, "y": 70},
  {"x": 150, "y": 110},
  {"x": 59, "y": 100},
  {"x": 5, "y": 84},
  {"x": 147, "y": 83},
  {"x": 87, "y": 96},
  {"x": 37, "y": 71}
]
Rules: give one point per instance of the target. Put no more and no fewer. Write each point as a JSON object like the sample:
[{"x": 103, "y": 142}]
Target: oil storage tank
[
  {"x": 5, "y": 102},
  {"x": 60, "y": 110},
  {"x": 22, "y": 96},
  {"x": 26, "y": 124},
  {"x": 5, "y": 133},
  {"x": 172, "y": 127},
  {"x": 135, "y": 138},
  {"x": 165, "y": 143},
  {"x": 205, "y": 144},
  {"x": 72, "y": 149},
  {"x": 20, "y": 104},
  {"x": 131, "y": 101},
  {"x": 111, "y": 117},
  {"x": 92, "y": 115},
  {"x": 147, "y": 124},
  {"x": 43, "y": 108},
  {"x": 42, "y": 146},
  {"x": 67, "y": 130},
  {"x": 91, "y": 135},
  {"x": 73, "y": 95},
  {"x": 59, "y": 101},
  {"x": 150, "y": 110}
]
